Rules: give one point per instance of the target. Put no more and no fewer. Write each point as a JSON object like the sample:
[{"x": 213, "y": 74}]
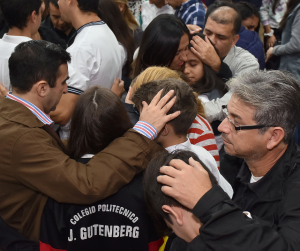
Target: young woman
[
  {"x": 202, "y": 78},
  {"x": 135, "y": 30},
  {"x": 119, "y": 222},
  {"x": 164, "y": 43}
]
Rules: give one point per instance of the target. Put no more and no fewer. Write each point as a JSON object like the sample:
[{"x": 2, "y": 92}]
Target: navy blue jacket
[{"x": 250, "y": 41}]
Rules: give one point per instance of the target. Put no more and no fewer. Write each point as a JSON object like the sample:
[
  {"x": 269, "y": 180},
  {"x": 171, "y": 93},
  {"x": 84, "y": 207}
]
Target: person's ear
[
  {"x": 276, "y": 137},
  {"x": 175, "y": 213},
  {"x": 33, "y": 17},
  {"x": 235, "y": 39},
  {"x": 165, "y": 131},
  {"x": 42, "y": 88}
]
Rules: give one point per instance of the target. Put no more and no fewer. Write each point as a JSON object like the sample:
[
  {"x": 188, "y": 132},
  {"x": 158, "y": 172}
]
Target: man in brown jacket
[{"x": 33, "y": 162}]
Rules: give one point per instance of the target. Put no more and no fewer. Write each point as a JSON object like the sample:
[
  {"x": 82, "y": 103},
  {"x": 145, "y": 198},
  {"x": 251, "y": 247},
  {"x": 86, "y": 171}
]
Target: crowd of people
[{"x": 180, "y": 133}]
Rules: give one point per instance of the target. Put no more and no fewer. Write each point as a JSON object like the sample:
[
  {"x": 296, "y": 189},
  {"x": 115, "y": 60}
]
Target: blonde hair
[
  {"x": 159, "y": 73},
  {"x": 127, "y": 15}
]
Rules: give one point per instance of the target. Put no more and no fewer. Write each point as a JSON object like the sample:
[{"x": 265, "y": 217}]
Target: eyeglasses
[{"x": 239, "y": 128}]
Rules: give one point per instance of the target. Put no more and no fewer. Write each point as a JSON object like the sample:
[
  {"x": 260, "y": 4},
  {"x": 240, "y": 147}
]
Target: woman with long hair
[
  {"x": 135, "y": 30},
  {"x": 119, "y": 222},
  {"x": 164, "y": 43}
]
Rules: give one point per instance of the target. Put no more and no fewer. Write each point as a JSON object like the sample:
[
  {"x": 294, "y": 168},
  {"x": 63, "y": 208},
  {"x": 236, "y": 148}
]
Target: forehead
[
  {"x": 237, "y": 108},
  {"x": 191, "y": 56},
  {"x": 218, "y": 28}
]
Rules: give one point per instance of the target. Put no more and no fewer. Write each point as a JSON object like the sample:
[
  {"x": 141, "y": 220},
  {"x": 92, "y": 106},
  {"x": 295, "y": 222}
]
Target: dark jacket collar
[
  {"x": 18, "y": 113},
  {"x": 270, "y": 187}
]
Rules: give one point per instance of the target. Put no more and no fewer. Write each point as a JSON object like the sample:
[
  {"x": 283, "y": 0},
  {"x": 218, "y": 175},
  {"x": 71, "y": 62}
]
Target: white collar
[
  {"x": 15, "y": 39},
  {"x": 183, "y": 146},
  {"x": 87, "y": 156}
]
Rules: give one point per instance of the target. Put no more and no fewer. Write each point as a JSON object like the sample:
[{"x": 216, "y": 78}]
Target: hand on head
[
  {"x": 156, "y": 112},
  {"x": 206, "y": 52},
  {"x": 185, "y": 183}
]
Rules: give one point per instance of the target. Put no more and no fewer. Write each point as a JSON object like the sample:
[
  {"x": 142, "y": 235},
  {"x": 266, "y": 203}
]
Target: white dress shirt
[{"x": 7, "y": 47}]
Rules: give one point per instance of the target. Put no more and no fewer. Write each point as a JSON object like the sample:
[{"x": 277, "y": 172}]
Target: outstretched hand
[
  {"x": 206, "y": 52},
  {"x": 185, "y": 183},
  {"x": 156, "y": 112}
]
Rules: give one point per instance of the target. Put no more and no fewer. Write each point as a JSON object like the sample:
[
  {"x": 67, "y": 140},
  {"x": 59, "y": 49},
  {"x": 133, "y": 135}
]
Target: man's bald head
[{"x": 225, "y": 13}]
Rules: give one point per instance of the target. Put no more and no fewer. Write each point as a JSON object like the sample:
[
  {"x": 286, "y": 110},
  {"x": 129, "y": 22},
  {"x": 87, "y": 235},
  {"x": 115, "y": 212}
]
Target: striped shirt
[
  {"x": 146, "y": 129},
  {"x": 192, "y": 12},
  {"x": 201, "y": 134},
  {"x": 43, "y": 117}
]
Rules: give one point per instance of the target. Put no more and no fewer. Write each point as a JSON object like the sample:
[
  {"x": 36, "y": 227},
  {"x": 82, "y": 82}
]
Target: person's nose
[
  {"x": 224, "y": 127},
  {"x": 183, "y": 56}
]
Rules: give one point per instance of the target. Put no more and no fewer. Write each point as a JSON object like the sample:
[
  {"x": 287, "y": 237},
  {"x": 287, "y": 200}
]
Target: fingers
[
  {"x": 196, "y": 164},
  {"x": 165, "y": 180},
  {"x": 168, "y": 106},
  {"x": 169, "y": 170},
  {"x": 156, "y": 98},
  {"x": 172, "y": 116},
  {"x": 162, "y": 102},
  {"x": 178, "y": 164}
]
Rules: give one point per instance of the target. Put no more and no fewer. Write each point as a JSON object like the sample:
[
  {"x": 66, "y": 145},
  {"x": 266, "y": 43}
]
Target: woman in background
[{"x": 135, "y": 30}]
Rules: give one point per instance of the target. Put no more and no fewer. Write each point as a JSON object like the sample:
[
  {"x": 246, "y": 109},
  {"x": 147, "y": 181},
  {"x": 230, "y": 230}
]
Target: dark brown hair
[
  {"x": 154, "y": 197},
  {"x": 99, "y": 117},
  {"x": 185, "y": 101},
  {"x": 210, "y": 80},
  {"x": 160, "y": 42}
]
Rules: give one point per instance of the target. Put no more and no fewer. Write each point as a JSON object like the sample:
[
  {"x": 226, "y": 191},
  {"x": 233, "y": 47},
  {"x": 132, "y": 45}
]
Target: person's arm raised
[
  {"x": 155, "y": 113},
  {"x": 205, "y": 51}
]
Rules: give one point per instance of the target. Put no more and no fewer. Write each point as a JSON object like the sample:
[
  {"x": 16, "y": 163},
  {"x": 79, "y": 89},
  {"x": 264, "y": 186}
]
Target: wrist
[
  {"x": 146, "y": 129},
  {"x": 217, "y": 66},
  {"x": 269, "y": 34}
]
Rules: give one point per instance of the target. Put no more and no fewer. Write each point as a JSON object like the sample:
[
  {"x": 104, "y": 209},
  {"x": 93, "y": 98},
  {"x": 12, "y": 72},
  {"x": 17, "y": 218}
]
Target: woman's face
[
  {"x": 180, "y": 56},
  {"x": 193, "y": 68}
]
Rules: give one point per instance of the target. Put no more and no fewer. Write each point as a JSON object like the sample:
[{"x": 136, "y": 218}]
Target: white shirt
[
  {"x": 208, "y": 160},
  {"x": 150, "y": 11},
  {"x": 96, "y": 58},
  {"x": 7, "y": 47}
]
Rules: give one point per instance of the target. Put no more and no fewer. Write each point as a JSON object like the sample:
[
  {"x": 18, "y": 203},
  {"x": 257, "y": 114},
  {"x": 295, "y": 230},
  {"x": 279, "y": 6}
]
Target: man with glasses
[{"x": 264, "y": 213}]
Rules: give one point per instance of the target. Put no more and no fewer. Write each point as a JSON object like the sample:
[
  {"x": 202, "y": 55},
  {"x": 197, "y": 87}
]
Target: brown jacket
[{"x": 33, "y": 168}]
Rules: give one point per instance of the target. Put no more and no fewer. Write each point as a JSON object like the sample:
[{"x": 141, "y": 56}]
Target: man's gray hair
[{"x": 275, "y": 95}]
